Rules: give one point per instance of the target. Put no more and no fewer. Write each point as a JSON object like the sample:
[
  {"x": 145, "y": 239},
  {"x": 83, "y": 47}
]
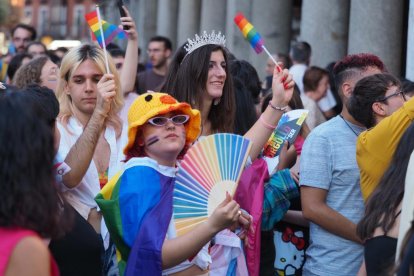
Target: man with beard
[
  {"x": 22, "y": 35},
  {"x": 159, "y": 50}
]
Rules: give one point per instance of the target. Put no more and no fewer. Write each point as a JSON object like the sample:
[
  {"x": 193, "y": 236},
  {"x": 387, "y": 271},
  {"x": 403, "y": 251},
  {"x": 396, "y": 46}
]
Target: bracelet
[
  {"x": 278, "y": 108},
  {"x": 265, "y": 124}
]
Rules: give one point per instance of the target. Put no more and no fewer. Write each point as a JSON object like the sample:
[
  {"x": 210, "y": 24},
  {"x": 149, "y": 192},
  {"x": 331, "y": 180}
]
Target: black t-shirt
[{"x": 80, "y": 252}]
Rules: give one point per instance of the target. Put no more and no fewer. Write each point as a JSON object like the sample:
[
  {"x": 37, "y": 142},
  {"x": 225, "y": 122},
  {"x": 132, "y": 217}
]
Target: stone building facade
[{"x": 334, "y": 28}]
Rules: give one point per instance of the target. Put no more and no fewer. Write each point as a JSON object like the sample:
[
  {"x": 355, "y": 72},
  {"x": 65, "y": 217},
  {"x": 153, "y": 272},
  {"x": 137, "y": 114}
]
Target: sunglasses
[
  {"x": 392, "y": 95},
  {"x": 176, "y": 120}
]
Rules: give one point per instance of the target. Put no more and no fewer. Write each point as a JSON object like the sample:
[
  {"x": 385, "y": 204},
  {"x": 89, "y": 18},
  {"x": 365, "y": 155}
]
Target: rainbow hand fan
[{"x": 209, "y": 169}]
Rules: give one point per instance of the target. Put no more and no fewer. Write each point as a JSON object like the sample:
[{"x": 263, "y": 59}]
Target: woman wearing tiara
[
  {"x": 198, "y": 74},
  {"x": 137, "y": 203}
]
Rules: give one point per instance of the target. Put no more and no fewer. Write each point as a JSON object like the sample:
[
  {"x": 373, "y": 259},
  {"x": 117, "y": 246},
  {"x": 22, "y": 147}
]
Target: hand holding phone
[{"x": 122, "y": 12}]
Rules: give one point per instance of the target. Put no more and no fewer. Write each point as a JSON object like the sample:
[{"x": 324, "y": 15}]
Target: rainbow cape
[
  {"x": 110, "y": 31},
  {"x": 137, "y": 207}
]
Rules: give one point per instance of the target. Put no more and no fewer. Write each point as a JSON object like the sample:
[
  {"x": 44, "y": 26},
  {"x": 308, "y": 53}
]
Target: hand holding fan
[{"x": 209, "y": 169}]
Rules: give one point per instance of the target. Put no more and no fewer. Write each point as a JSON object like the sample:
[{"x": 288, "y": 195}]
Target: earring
[{"x": 216, "y": 101}]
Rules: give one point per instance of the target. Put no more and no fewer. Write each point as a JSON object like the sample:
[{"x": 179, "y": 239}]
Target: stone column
[
  {"x": 188, "y": 20},
  {"x": 167, "y": 20},
  {"x": 145, "y": 15},
  {"x": 376, "y": 26},
  {"x": 409, "y": 73},
  {"x": 234, "y": 38},
  {"x": 272, "y": 19},
  {"x": 324, "y": 26},
  {"x": 213, "y": 15}
]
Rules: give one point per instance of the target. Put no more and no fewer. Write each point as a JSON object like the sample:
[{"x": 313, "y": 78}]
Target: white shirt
[
  {"x": 327, "y": 102},
  {"x": 82, "y": 197},
  {"x": 298, "y": 71}
]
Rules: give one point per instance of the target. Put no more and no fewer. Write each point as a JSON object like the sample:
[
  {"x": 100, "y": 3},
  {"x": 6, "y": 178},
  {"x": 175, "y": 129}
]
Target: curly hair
[
  {"x": 30, "y": 73},
  {"x": 15, "y": 64},
  {"x": 186, "y": 81},
  {"x": 70, "y": 62},
  {"x": 31, "y": 200}
]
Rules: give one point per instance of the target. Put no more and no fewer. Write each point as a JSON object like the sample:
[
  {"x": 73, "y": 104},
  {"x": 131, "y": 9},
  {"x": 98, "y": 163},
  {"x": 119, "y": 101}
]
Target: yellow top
[{"x": 376, "y": 146}]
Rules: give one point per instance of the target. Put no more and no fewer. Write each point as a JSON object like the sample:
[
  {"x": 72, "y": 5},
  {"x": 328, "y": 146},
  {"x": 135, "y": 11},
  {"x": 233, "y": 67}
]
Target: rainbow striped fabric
[
  {"x": 110, "y": 31},
  {"x": 137, "y": 207}
]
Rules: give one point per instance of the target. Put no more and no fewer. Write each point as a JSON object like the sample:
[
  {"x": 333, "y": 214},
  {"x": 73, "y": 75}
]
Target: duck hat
[{"x": 149, "y": 105}]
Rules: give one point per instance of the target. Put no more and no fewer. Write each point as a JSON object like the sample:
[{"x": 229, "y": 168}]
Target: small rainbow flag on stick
[
  {"x": 110, "y": 31},
  {"x": 252, "y": 35}
]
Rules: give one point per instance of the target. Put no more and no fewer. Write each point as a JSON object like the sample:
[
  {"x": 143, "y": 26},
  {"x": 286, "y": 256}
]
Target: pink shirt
[{"x": 9, "y": 238}]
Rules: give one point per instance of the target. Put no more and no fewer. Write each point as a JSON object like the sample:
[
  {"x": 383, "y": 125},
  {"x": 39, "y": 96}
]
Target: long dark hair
[
  {"x": 30, "y": 198},
  {"x": 247, "y": 88},
  {"x": 382, "y": 205},
  {"x": 186, "y": 81}
]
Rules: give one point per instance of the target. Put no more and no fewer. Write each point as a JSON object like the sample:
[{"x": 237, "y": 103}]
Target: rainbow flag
[
  {"x": 110, "y": 31},
  {"x": 137, "y": 207},
  {"x": 249, "y": 32}
]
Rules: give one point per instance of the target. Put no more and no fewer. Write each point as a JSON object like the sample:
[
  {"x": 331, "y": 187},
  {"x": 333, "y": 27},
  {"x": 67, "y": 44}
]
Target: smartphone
[{"x": 120, "y": 3}]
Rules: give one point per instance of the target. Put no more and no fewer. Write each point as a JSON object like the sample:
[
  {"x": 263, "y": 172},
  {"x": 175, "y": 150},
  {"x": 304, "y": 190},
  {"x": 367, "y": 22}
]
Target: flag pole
[
  {"x": 103, "y": 39},
  {"x": 271, "y": 57}
]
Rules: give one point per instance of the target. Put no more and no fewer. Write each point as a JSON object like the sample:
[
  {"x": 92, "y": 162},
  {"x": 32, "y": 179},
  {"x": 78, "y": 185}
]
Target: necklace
[{"x": 356, "y": 134}]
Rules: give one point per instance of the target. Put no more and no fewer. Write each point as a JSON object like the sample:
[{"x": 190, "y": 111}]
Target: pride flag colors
[
  {"x": 210, "y": 168},
  {"x": 249, "y": 32},
  {"x": 137, "y": 207},
  {"x": 110, "y": 31}
]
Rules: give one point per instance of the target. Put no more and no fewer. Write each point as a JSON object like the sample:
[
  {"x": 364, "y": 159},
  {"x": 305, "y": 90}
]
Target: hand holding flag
[
  {"x": 110, "y": 31},
  {"x": 252, "y": 35}
]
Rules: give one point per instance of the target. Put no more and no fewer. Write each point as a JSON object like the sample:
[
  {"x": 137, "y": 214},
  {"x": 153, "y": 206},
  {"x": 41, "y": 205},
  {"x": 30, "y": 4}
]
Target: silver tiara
[{"x": 204, "y": 39}]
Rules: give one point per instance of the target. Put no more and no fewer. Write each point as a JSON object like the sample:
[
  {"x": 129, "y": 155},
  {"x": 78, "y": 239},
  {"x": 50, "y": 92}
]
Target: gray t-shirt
[{"x": 328, "y": 161}]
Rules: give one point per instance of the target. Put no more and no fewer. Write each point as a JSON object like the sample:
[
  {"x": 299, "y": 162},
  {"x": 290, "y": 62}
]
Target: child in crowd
[{"x": 137, "y": 203}]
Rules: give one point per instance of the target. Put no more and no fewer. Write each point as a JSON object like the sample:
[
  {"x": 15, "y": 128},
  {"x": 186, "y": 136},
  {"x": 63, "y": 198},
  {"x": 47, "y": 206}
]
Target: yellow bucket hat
[{"x": 151, "y": 104}]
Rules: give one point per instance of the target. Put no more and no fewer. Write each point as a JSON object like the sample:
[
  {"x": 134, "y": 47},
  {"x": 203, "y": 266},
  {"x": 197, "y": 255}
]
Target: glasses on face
[
  {"x": 392, "y": 95},
  {"x": 176, "y": 120}
]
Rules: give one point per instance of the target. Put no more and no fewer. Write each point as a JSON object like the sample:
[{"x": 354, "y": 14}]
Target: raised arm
[
  {"x": 129, "y": 69},
  {"x": 316, "y": 210},
  {"x": 259, "y": 133},
  {"x": 81, "y": 154}
]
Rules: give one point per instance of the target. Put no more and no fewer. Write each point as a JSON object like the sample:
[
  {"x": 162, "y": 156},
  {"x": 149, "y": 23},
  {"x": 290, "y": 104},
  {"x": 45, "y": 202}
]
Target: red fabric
[
  {"x": 299, "y": 144},
  {"x": 249, "y": 195},
  {"x": 9, "y": 238}
]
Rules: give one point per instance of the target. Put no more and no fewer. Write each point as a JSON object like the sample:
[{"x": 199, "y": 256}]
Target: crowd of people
[{"x": 81, "y": 145}]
